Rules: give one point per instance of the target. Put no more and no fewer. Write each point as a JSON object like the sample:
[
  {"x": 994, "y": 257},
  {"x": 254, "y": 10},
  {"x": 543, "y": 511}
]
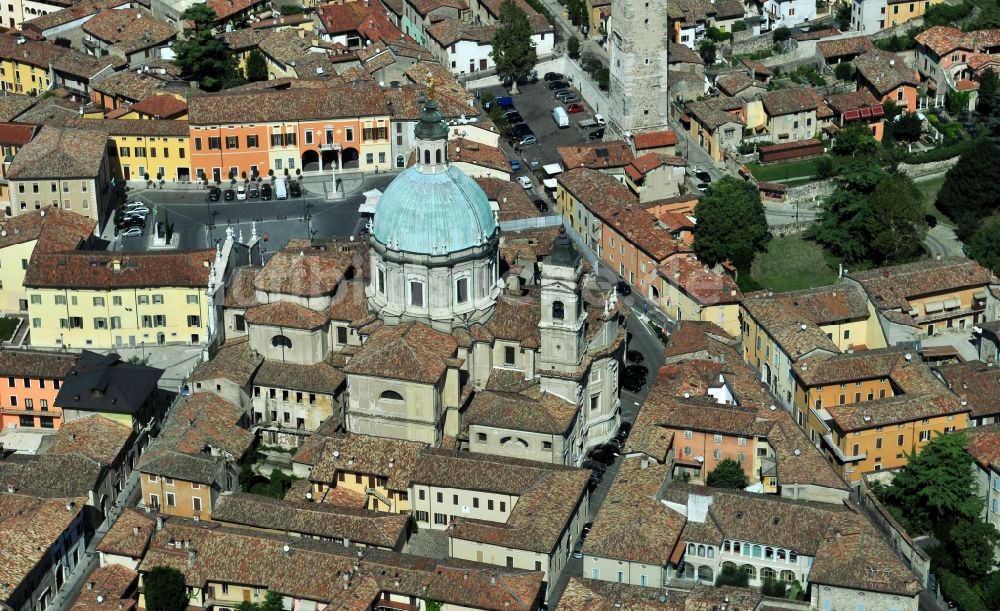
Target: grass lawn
[
  {"x": 7, "y": 328},
  {"x": 930, "y": 189},
  {"x": 805, "y": 168},
  {"x": 792, "y": 263}
]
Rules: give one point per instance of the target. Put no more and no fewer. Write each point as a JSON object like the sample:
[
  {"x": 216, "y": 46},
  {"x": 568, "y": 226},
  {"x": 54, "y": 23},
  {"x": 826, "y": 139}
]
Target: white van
[
  {"x": 280, "y": 189},
  {"x": 560, "y": 117}
]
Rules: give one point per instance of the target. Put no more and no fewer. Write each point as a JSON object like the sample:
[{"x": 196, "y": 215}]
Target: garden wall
[
  {"x": 927, "y": 169},
  {"x": 904, "y": 546}
]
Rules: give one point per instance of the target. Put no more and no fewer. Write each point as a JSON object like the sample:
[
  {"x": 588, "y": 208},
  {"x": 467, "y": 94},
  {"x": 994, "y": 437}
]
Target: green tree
[
  {"x": 513, "y": 53},
  {"x": 907, "y": 127},
  {"x": 272, "y": 602},
  {"x": 291, "y": 9},
  {"x": 707, "y": 51},
  {"x": 984, "y": 246},
  {"x": 841, "y": 226},
  {"x": 843, "y": 15},
  {"x": 824, "y": 167},
  {"x": 971, "y": 545},
  {"x": 774, "y": 587},
  {"x": 731, "y": 575},
  {"x": 894, "y": 222},
  {"x": 854, "y": 140},
  {"x": 957, "y": 102},
  {"x": 256, "y": 69},
  {"x": 971, "y": 188},
  {"x": 781, "y": 34},
  {"x": 165, "y": 590},
  {"x": 936, "y": 488},
  {"x": 728, "y": 474},
  {"x": 844, "y": 70},
  {"x": 731, "y": 224},
  {"x": 201, "y": 56},
  {"x": 945, "y": 14},
  {"x": 573, "y": 47}
]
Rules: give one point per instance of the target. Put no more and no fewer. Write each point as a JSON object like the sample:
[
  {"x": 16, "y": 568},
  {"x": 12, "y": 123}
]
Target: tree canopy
[
  {"x": 513, "y": 52},
  {"x": 728, "y": 474},
  {"x": 731, "y": 224},
  {"x": 201, "y": 56},
  {"x": 165, "y": 590},
  {"x": 855, "y": 139},
  {"x": 272, "y": 602},
  {"x": 731, "y": 575},
  {"x": 256, "y": 69},
  {"x": 984, "y": 246},
  {"x": 971, "y": 189}
]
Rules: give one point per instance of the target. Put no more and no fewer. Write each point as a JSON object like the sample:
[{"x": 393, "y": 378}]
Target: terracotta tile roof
[
  {"x": 788, "y": 101},
  {"x": 643, "y": 231},
  {"x": 29, "y": 528},
  {"x": 405, "y": 101},
  {"x": 51, "y": 475},
  {"x": 733, "y": 83},
  {"x": 548, "y": 496},
  {"x": 974, "y": 381},
  {"x": 285, "y": 314},
  {"x": 349, "y": 303},
  {"x": 202, "y": 432},
  {"x": 596, "y": 190},
  {"x": 528, "y": 410},
  {"x": 390, "y": 458},
  {"x": 97, "y": 270},
  {"x": 60, "y": 153},
  {"x": 984, "y": 445},
  {"x": 319, "y": 377},
  {"x": 701, "y": 284},
  {"x": 239, "y": 290},
  {"x": 527, "y": 244},
  {"x": 109, "y": 588},
  {"x": 512, "y": 200},
  {"x": 129, "y": 29},
  {"x": 164, "y": 106},
  {"x": 593, "y": 595},
  {"x": 39, "y": 53},
  {"x": 884, "y": 71},
  {"x": 35, "y": 364},
  {"x": 235, "y": 361},
  {"x": 891, "y": 287},
  {"x": 843, "y": 47},
  {"x": 306, "y": 57},
  {"x": 95, "y": 436},
  {"x": 632, "y": 524},
  {"x": 410, "y": 351},
  {"x": 129, "y": 86},
  {"x": 854, "y": 556},
  {"x": 942, "y": 39},
  {"x": 855, "y": 100},
  {"x": 227, "y": 8},
  {"x": 514, "y": 319},
  {"x": 694, "y": 338},
  {"x": 978, "y": 61},
  {"x": 16, "y": 134},
  {"x": 682, "y": 54},
  {"x": 716, "y": 112},
  {"x": 784, "y": 326},
  {"x": 370, "y": 528},
  {"x": 352, "y": 99},
  {"x": 474, "y": 153},
  {"x": 651, "y": 140},
  {"x": 644, "y": 164},
  {"x": 129, "y": 535},
  {"x": 450, "y": 31},
  {"x": 12, "y": 105},
  {"x": 301, "y": 270},
  {"x": 756, "y": 67},
  {"x": 599, "y": 155},
  {"x": 132, "y": 127}
]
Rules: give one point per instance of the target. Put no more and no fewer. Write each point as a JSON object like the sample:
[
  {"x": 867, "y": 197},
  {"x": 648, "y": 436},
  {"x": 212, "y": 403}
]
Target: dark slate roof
[{"x": 105, "y": 383}]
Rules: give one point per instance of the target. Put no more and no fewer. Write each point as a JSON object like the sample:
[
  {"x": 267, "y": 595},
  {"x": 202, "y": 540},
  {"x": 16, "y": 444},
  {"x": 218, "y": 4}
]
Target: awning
[
  {"x": 933, "y": 306},
  {"x": 980, "y": 295},
  {"x": 551, "y": 169},
  {"x": 550, "y": 183},
  {"x": 878, "y": 111},
  {"x": 950, "y": 304},
  {"x": 866, "y": 113},
  {"x": 851, "y": 115}
]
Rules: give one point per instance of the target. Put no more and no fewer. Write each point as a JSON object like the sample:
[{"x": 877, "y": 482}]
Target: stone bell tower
[{"x": 638, "y": 94}]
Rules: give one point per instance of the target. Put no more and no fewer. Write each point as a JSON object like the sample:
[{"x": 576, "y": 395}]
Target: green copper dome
[
  {"x": 431, "y": 125},
  {"x": 433, "y": 213}
]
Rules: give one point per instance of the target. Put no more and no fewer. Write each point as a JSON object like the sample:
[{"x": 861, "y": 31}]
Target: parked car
[
  {"x": 570, "y": 99},
  {"x": 541, "y": 205},
  {"x": 253, "y": 192},
  {"x": 637, "y": 370},
  {"x": 229, "y": 195},
  {"x": 561, "y": 92},
  {"x": 597, "y": 134},
  {"x": 608, "y": 447},
  {"x": 294, "y": 189},
  {"x": 241, "y": 193},
  {"x": 519, "y": 129},
  {"x": 578, "y": 550},
  {"x": 623, "y": 430},
  {"x": 265, "y": 191},
  {"x": 623, "y": 288},
  {"x": 593, "y": 480},
  {"x": 515, "y": 165},
  {"x": 513, "y": 117},
  {"x": 605, "y": 457},
  {"x": 132, "y": 232},
  {"x": 528, "y": 139},
  {"x": 214, "y": 194},
  {"x": 574, "y": 108},
  {"x": 632, "y": 384},
  {"x": 134, "y": 221},
  {"x": 137, "y": 207},
  {"x": 586, "y": 529},
  {"x": 553, "y": 76},
  {"x": 702, "y": 186},
  {"x": 524, "y": 181},
  {"x": 634, "y": 356},
  {"x": 593, "y": 465},
  {"x": 554, "y": 85},
  {"x": 703, "y": 176}
]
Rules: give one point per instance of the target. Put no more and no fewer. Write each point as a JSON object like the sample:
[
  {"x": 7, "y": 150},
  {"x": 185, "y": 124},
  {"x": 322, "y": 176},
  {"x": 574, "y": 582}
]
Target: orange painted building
[
  {"x": 289, "y": 131},
  {"x": 29, "y": 383},
  {"x": 888, "y": 78}
]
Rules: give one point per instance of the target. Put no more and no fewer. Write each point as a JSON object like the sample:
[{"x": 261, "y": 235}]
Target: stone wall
[
  {"x": 927, "y": 169},
  {"x": 811, "y": 192},
  {"x": 904, "y": 546},
  {"x": 746, "y": 42},
  {"x": 780, "y": 231}
]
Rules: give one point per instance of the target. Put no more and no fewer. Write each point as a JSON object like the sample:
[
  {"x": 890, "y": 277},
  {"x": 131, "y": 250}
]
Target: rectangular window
[
  {"x": 196, "y": 503},
  {"x": 214, "y": 143},
  {"x": 416, "y": 294},
  {"x": 341, "y": 335},
  {"x": 508, "y": 355},
  {"x": 232, "y": 142},
  {"x": 158, "y": 299},
  {"x": 99, "y": 301},
  {"x": 192, "y": 299},
  {"x": 440, "y": 518},
  {"x": 462, "y": 290},
  {"x": 171, "y": 499},
  {"x": 253, "y": 142}
]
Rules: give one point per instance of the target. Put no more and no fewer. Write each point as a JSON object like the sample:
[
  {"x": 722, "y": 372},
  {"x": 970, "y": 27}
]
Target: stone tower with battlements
[{"x": 638, "y": 95}]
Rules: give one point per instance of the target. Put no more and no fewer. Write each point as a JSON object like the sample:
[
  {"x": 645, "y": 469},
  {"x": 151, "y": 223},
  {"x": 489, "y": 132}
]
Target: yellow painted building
[
  {"x": 137, "y": 148},
  {"x": 870, "y": 410},
  {"x": 27, "y": 71},
  {"x": 106, "y": 300},
  {"x": 690, "y": 292}
]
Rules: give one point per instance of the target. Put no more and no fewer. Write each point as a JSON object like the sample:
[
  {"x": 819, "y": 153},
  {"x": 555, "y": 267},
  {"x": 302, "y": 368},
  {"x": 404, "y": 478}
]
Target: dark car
[
  {"x": 623, "y": 430},
  {"x": 558, "y": 85},
  {"x": 592, "y": 483},
  {"x": 265, "y": 191},
  {"x": 609, "y": 447},
  {"x": 623, "y": 288},
  {"x": 519, "y": 129},
  {"x": 514, "y": 117},
  {"x": 703, "y": 176},
  {"x": 603, "y": 456},
  {"x": 542, "y": 206},
  {"x": 294, "y": 189},
  {"x": 632, "y": 385},
  {"x": 229, "y": 195},
  {"x": 593, "y": 465},
  {"x": 586, "y": 529},
  {"x": 553, "y": 76},
  {"x": 638, "y": 371},
  {"x": 134, "y": 221},
  {"x": 253, "y": 192},
  {"x": 634, "y": 356},
  {"x": 597, "y": 134},
  {"x": 214, "y": 194}
]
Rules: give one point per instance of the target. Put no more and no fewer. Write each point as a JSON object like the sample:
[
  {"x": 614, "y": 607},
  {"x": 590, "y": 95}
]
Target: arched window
[
  {"x": 750, "y": 571},
  {"x": 558, "y": 310},
  {"x": 437, "y": 156},
  {"x": 281, "y": 341},
  {"x": 427, "y": 157},
  {"x": 736, "y": 547},
  {"x": 711, "y": 552},
  {"x": 787, "y": 576},
  {"x": 692, "y": 549},
  {"x": 518, "y": 441},
  {"x": 391, "y": 395},
  {"x": 705, "y": 573},
  {"x": 769, "y": 552},
  {"x": 400, "y": 161},
  {"x": 728, "y": 564},
  {"x": 781, "y": 555},
  {"x": 725, "y": 546},
  {"x": 689, "y": 571},
  {"x": 756, "y": 551},
  {"x": 701, "y": 551},
  {"x": 793, "y": 557}
]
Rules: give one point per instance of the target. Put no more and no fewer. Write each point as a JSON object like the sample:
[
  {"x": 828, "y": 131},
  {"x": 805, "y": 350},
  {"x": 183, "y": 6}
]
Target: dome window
[
  {"x": 390, "y": 395},
  {"x": 416, "y": 294},
  {"x": 462, "y": 290},
  {"x": 281, "y": 341}
]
